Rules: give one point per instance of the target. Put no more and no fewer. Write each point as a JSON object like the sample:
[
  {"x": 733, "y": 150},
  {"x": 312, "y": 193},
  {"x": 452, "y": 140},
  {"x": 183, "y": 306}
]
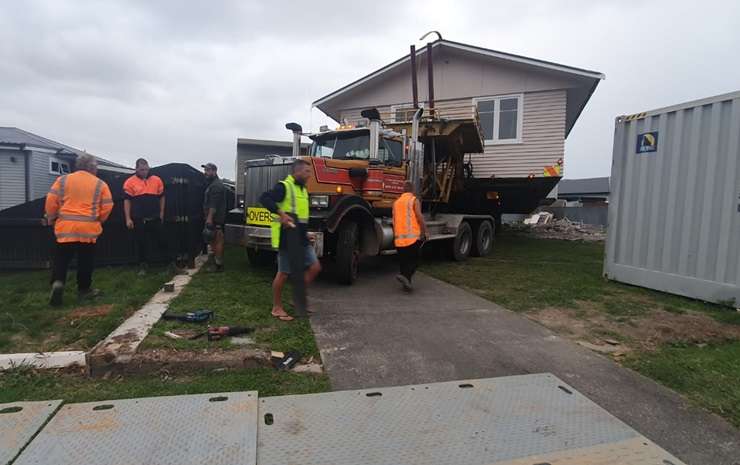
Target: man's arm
[
  {"x": 106, "y": 203},
  {"x": 128, "y": 193},
  {"x": 127, "y": 213},
  {"x": 420, "y": 218},
  {"x": 270, "y": 200},
  {"x": 160, "y": 191},
  {"x": 51, "y": 207}
]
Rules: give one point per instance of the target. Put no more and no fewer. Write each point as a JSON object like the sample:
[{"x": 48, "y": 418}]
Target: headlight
[{"x": 319, "y": 201}]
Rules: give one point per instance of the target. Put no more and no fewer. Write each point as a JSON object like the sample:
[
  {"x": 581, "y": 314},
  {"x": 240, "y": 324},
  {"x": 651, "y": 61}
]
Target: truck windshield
[{"x": 351, "y": 145}]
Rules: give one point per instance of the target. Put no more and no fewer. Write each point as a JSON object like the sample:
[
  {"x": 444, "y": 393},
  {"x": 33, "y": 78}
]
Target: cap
[{"x": 210, "y": 166}]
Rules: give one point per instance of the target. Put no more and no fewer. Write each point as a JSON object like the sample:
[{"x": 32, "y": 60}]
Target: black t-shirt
[{"x": 215, "y": 197}]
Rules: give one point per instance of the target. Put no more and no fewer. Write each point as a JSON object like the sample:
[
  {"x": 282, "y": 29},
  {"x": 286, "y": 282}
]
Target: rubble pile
[{"x": 544, "y": 225}]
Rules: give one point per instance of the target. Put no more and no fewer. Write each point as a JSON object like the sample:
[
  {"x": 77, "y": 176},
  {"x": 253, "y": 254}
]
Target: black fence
[{"x": 25, "y": 242}]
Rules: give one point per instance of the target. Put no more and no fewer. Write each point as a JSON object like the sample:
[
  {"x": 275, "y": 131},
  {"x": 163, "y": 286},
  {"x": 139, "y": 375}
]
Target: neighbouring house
[
  {"x": 254, "y": 149},
  {"x": 29, "y": 164},
  {"x": 526, "y": 109},
  {"x": 584, "y": 191}
]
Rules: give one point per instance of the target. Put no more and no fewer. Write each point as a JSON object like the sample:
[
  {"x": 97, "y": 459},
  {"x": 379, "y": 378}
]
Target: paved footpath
[{"x": 374, "y": 335}]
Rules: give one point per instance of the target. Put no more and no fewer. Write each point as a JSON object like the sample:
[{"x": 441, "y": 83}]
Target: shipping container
[{"x": 674, "y": 213}]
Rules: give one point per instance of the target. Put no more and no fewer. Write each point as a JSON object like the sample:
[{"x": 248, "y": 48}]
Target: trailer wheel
[
  {"x": 483, "y": 239},
  {"x": 257, "y": 257},
  {"x": 348, "y": 253},
  {"x": 463, "y": 242}
]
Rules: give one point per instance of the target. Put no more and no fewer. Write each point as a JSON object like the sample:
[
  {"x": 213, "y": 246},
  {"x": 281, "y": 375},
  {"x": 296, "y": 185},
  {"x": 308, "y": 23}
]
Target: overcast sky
[{"x": 181, "y": 81}]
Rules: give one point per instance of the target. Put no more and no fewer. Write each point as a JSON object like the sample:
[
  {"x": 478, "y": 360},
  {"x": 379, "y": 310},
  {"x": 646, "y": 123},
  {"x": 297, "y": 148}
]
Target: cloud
[{"x": 181, "y": 81}]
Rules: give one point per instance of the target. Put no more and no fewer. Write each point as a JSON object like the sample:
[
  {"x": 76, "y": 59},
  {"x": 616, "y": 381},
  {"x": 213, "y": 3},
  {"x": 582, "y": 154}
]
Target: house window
[
  {"x": 58, "y": 167},
  {"x": 501, "y": 118},
  {"x": 403, "y": 113}
]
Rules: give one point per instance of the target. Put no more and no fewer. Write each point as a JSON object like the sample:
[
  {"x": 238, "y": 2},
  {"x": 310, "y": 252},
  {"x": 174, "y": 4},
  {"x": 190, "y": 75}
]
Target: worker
[
  {"x": 409, "y": 231},
  {"x": 77, "y": 205},
  {"x": 214, "y": 209},
  {"x": 143, "y": 207},
  {"x": 288, "y": 202}
]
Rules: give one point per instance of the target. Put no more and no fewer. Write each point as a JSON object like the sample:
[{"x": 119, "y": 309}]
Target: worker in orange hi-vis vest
[
  {"x": 409, "y": 231},
  {"x": 77, "y": 205}
]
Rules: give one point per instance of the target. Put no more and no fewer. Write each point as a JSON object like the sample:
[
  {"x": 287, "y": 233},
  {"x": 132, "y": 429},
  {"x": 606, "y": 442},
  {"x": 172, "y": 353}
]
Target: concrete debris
[
  {"x": 314, "y": 368},
  {"x": 543, "y": 225},
  {"x": 172, "y": 335}
]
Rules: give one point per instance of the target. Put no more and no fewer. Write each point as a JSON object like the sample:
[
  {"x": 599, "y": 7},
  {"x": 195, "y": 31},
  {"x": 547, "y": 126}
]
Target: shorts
[{"x": 284, "y": 261}]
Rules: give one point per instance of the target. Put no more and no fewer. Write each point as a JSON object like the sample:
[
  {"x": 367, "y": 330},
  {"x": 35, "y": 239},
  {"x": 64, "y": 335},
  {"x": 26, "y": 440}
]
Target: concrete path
[{"x": 372, "y": 335}]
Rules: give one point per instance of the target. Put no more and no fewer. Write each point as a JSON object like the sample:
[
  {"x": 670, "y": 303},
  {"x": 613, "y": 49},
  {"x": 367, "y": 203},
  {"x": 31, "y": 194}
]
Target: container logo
[{"x": 647, "y": 142}]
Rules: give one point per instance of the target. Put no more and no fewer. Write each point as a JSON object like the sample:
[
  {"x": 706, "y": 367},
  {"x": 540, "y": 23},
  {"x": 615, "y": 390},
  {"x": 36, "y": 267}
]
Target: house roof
[
  {"x": 592, "y": 76},
  {"x": 583, "y": 186},
  {"x": 20, "y": 138}
]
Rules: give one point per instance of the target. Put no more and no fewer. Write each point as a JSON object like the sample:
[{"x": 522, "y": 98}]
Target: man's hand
[
  {"x": 286, "y": 220},
  {"x": 129, "y": 223}
]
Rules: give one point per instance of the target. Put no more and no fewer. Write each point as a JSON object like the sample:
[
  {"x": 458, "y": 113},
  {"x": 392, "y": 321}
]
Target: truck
[{"x": 359, "y": 171}]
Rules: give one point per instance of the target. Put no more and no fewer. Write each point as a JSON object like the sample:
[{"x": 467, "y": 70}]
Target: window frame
[
  {"x": 402, "y": 106},
  {"x": 496, "y": 118},
  {"x": 59, "y": 163}
]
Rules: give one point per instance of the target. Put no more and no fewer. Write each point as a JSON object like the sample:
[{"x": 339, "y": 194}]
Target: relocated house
[
  {"x": 526, "y": 108},
  {"x": 254, "y": 149},
  {"x": 29, "y": 164},
  {"x": 584, "y": 191}
]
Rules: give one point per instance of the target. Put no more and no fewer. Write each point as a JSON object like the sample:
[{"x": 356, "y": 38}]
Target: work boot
[
  {"x": 404, "y": 282},
  {"x": 88, "y": 294},
  {"x": 57, "y": 292}
]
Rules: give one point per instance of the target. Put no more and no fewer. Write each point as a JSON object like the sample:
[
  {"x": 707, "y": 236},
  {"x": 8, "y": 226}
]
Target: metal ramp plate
[
  {"x": 19, "y": 421},
  {"x": 217, "y": 429},
  {"x": 517, "y": 420}
]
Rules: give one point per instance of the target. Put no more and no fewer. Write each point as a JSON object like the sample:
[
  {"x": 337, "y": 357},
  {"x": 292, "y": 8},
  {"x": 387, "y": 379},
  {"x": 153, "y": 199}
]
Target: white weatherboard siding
[
  {"x": 543, "y": 135},
  {"x": 543, "y": 140},
  {"x": 12, "y": 178}
]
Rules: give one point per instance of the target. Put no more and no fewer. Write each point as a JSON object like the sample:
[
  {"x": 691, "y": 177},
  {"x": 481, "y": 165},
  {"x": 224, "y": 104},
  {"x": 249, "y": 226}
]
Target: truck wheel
[
  {"x": 463, "y": 242},
  {"x": 483, "y": 240},
  {"x": 348, "y": 253},
  {"x": 259, "y": 257}
]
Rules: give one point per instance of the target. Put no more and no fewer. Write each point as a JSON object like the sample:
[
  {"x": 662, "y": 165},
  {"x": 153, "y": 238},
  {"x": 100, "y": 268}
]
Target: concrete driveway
[{"x": 372, "y": 335}]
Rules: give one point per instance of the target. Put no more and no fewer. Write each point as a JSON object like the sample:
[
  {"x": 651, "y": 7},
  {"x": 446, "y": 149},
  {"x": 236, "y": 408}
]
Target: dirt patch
[
  {"x": 185, "y": 361},
  {"x": 89, "y": 312},
  {"x": 644, "y": 332}
]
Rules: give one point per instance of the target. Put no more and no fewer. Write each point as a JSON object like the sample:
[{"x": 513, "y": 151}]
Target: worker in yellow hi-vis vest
[
  {"x": 288, "y": 201},
  {"x": 409, "y": 231}
]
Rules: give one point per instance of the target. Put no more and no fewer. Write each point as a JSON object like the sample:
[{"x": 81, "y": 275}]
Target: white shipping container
[{"x": 674, "y": 211}]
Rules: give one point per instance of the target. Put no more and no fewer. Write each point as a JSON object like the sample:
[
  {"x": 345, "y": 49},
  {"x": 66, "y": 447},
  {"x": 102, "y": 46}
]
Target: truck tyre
[
  {"x": 483, "y": 239},
  {"x": 257, "y": 257},
  {"x": 348, "y": 253},
  {"x": 463, "y": 242}
]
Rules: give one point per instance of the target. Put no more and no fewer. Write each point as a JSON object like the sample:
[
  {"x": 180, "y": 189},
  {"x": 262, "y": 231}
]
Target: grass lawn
[
  {"x": 525, "y": 274},
  {"x": 29, "y": 324},
  {"x": 688, "y": 345},
  {"x": 240, "y": 296},
  {"x": 709, "y": 376},
  {"x": 24, "y": 384}
]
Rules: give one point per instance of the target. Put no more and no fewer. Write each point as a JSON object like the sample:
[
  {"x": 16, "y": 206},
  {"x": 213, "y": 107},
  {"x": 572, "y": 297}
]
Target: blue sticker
[{"x": 647, "y": 142}]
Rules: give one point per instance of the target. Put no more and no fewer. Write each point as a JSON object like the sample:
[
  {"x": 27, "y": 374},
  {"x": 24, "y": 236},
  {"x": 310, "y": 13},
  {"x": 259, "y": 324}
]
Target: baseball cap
[{"x": 210, "y": 166}]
